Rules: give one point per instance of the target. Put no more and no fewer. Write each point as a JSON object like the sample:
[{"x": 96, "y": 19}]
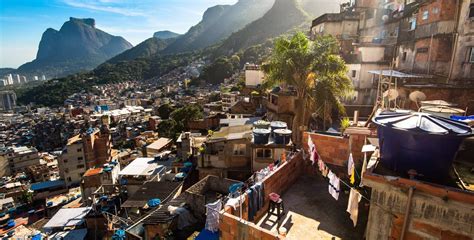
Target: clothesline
[{"x": 353, "y": 188}]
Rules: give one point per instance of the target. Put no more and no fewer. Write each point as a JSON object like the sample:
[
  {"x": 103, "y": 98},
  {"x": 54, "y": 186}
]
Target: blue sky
[{"x": 22, "y": 22}]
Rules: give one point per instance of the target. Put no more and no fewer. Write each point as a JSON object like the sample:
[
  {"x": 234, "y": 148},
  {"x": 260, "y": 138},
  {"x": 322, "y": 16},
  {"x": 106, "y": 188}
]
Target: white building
[{"x": 253, "y": 75}]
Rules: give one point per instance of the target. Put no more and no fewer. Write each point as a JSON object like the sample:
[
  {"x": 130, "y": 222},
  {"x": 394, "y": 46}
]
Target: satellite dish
[
  {"x": 390, "y": 94},
  {"x": 417, "y": 96}
]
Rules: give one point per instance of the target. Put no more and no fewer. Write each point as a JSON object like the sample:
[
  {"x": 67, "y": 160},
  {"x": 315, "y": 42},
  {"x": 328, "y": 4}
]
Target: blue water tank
[
  {"x": 260, "y": 136},
  {"x": 419, "y": 141}
]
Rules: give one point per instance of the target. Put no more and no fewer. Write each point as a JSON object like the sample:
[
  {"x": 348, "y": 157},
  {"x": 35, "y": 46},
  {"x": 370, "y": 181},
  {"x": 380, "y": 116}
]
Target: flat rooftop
[{"x": 312, "y": 213}]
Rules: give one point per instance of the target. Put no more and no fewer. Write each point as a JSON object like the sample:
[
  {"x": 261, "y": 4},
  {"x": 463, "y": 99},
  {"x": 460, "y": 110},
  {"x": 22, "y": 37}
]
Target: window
[
  {"x": 79, "y": 150},
  {"x": 66, "y": 170},
  {"x": 425, "y": 15},
  {"x": 422, "y": 50},
  {"x": 264, "y": 153},
  {"x": 80, "y": 166},
  {"x": 354, "y": 73},
  {"x": 435, "y": 10},
  {"x": 404, "y": 56},
  {"x": 239, "y": 149},
  {"x": 69, "y": 179},
  {"x": 80, "y": 158},
  {"x": 471, "y": 55},
  {"x": 471, "y": 10}
]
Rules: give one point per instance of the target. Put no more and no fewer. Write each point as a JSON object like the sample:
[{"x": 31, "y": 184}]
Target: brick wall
[
  {"x": 464, "y": 97},
  {"x": 278, "y": 181},
  {"x": 437, "y": 212},
  {"x": 335, "y": 149},
  {"x": 231, "y": 227}
]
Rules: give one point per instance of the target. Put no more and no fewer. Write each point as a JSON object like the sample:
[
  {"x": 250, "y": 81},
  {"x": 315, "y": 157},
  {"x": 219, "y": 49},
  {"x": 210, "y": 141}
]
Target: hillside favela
[{"x": 237, "y": 119}]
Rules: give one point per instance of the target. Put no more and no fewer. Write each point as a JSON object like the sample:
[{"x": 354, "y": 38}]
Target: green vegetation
[
  {"x": 165, "y": 110},
  {"x": 176, "y": 124},
  {"x": 316, "y": 72},
  {"x": 220, "y": 69}
]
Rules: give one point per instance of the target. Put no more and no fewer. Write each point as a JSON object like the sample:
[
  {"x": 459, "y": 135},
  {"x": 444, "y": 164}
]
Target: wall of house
[
  {"x": 463, "y": 71},
  {"x": 462, "y": 96},
  {"x": 72, "y": 164},
  {"x": 335, "y": 149},
  {"x": 435, "y": 59},
  {"x": 231, "y": 227},
  {"x": 371, "y": 54},
  {"x": 436, "y": 212},
  {"x": 260, "y": 163},
  {"x": 279, "y": 181}
]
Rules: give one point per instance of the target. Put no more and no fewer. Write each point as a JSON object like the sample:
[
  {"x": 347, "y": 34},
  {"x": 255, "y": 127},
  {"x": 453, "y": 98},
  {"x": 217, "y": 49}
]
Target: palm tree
[{"x": 315, "y": 70}]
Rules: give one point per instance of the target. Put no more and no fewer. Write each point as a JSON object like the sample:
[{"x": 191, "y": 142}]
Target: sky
[{"x": 22, "y": 22}]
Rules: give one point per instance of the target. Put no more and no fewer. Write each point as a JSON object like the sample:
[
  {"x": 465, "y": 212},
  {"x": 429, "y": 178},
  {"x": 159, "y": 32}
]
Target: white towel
[
  {"x": 212, "y": 219},
  {"x": 333, "y": 185},
  {"x": 353, "y": 205}
]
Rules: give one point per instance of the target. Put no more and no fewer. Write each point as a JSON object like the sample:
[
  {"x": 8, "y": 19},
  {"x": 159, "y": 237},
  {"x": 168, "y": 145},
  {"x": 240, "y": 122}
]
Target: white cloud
[{"x": 104, "y": 6}]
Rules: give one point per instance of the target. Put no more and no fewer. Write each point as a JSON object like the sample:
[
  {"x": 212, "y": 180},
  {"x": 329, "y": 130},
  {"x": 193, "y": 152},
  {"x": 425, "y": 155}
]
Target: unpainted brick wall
[
  {"x": 278, "y": 182},
  {"x": 335, "y": 149}
]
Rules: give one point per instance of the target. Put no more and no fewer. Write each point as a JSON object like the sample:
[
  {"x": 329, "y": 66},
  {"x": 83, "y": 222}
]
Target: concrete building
[
  {"x": 7, "y": 100},
  {"x": 20, "y": 158},
  {"x": 72, "y": 163},
  {"x": 97, "y": 147},
  {"x": 228, "y": 100},
  {"x": 254, "y": 76}
]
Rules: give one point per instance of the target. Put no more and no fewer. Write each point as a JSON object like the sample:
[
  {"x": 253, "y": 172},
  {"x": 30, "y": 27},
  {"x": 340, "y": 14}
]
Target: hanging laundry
[
  {"x": 353, "y": 205},
  {"x": 351, "y": 168},
  {"x": 350, "y": 165},
  {"x": 311, "y": 149},
  {"x": 333, "y": 185},
  {"x": 352, "y": 179},
  {"x": 212, "y": 219},
  {"x": 321, "y": 165},
  {"x": 325, "y": 171}
]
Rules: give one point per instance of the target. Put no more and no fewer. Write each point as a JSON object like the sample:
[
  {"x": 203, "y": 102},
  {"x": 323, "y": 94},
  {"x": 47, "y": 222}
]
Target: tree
[
  {"x": 165, "y": 110},
  {"x": 185, "y": 114},
  {"x": 316, "y": 72}
]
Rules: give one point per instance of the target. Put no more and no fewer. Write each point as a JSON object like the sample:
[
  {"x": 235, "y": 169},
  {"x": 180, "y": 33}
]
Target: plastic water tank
[{"x": 419, "y": 141}]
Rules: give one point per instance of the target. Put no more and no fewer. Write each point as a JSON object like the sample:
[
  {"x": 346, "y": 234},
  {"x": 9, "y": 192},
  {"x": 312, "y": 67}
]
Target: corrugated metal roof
[{"x": 67, "y": 217}]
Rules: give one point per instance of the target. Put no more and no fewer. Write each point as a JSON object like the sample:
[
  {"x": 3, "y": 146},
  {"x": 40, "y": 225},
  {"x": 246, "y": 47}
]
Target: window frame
[
  {"x": 471, "y": 11},
  {"x": 266, "y": 153},
  {"x": 239, "y": 149},
  {"x": 425, "y": 15},
  {"x": 470, "y": 56}
]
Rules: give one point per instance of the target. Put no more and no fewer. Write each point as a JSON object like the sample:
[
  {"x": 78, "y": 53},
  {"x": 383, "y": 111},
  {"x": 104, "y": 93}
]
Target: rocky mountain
[
  {"x": 281, "y": 18},
  {"x": 77, "y": 46},
  {"x": 165, "y": 34},
  {"x": 147, "y": 48},
  {"x": 218, "y": 23}
]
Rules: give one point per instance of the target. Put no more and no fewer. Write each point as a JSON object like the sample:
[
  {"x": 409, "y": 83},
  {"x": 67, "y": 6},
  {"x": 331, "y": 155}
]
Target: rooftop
[
  {"x": 315, "y": 216},
  {"x": 159, "y": 144},
  {"x": 142, "y": 167},
  {"x": 67, "y": 217},
  {"x": 150, "y": 190}
]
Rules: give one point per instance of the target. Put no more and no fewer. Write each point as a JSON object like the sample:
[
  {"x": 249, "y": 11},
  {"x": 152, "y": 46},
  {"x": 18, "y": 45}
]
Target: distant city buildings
[{"x": 7, "y": 100}]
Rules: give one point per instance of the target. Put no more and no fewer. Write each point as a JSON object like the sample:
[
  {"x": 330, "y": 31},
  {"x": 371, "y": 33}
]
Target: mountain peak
[
  {"x": 77, "y": 46},
  {"x": 165, "y": 34},
  {"x": 87, "y": 21}
]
